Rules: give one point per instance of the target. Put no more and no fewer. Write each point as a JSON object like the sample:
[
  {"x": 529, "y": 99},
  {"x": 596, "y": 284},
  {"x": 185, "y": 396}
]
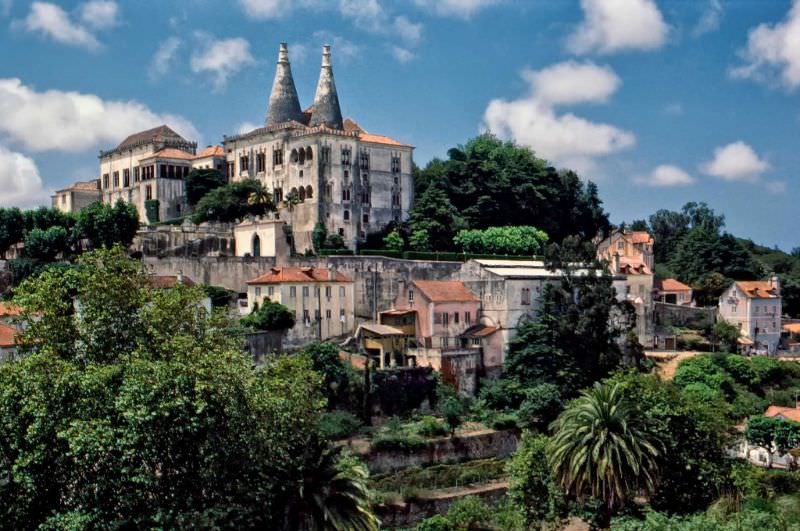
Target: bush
[
  {"x": 338, "y": 424},
  {"x": 502, "y": 421},
  {"x": 269, "y": 316},
  {"x": 431, "y": 427},
  {"x": 397, "y": 441},
  {"x": 151, "y": 210},
  {"x": 452, "y": 411}
]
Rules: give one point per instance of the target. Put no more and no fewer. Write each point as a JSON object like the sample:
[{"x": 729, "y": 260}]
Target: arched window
[
  {"x": 309, "y": 192},
  {"x": 309, "y": 153},
  {"x": 294, "y": 155},
  {"x": 256, "y": 245},
  {"x": 347, "y": 215},
  {"x": 302, "y": 193},
  {"x": 302, "y": 155}
]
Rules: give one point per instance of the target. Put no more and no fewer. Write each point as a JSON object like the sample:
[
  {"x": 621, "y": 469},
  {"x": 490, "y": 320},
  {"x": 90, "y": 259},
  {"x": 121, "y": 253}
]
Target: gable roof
[
  {"x": 788, "y": 413},
  {"x": 757, "y": 289},
  {"x": 445, "y": 291},
  {"x": 8, "y": 335},
  {"x": 380, "y": 139},
  {"x": 278, "y": 275},
  {"x": 156, "y": 134},
  {"x": 641, "y": 236},
  {"x": 633, "y": 266},
  {"x": 170, "y": 153},
  {"x": 211, "y": 151},
  {"x": 670, "y": 284}
]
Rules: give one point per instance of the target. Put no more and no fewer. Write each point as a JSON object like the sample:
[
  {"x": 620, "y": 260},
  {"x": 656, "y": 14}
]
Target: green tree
[
  {"x": 43, "y": 218},
  {"x": 393, "y": 241},
  {"x": 452, "y": 411},
  {"x": 532, "y": 486},
  {"x": 234, "y": 201},
  {"x": 269, "y": 316},
  {"x": 726, "y": 336},
  {"x": 46, "y": 245},
  {"x": 12, "y": 228},
  {"x": 600, "y": 448},
  {"x": 102, "y": 225},
  {"x": 541, "y": 406},
  {"x": 434, "y": 214},
  {"x": 199, "y": 182},
  {"x": 420, "y": 240},
  {"x": 319, "y": 235},
  {"x": 760, "y": 431},
  {"x": 521, "y": 241}
]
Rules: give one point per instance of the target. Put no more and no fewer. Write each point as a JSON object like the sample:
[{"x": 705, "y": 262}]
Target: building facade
[
  {"x": 149, "y": 165},
  {"x": 321, "y": 299},
  {"x": 755, "y": 308},
  {"x": 321, "y": 168},
  {"x": 211, "y": 158},
  {"x": 671, "y": 291},
  {"x": 76, "y": 196}
]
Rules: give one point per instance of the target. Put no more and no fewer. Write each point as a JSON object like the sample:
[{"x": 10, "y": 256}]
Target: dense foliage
[
  {"x": 199, "y": 182},
  {"x": 234, "y": 201},
  {"x": 490, "y": 183},
  {"x": 269, "y": 316},
  {"x": 518, "y": 241}
]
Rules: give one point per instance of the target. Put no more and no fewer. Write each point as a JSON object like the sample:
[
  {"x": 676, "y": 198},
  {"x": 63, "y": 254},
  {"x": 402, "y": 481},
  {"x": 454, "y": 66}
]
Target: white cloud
[
  {"x": 52, "y": 21},
  {"x": 246, "y": 127},
  {"x": 617, "y": 25},
  {"x": 274, "y": 9},
  {"x": 342, "y": 49},
  {"x": 20, "y": 180},
  {"x": 664, "y": 176},
  {"x": 709, "y": 20},
  {"x": 222, "y": 58},
  {"x": 54, "y": 120},
  {"x": 772, "y": 55},
  {"x": 367, "y": 14},
  {"x": 775, "y": 187},
  {"x": 99, "y": 14},
  {"x": 455, "y": 8},
  {"x": 402, "y": 55},
  {"x": 164, "y": 57},
  {"x": 572, "y": 82},
  {"x": 563, "y": 138},
  {"x": 736, "y": 161},
  {"x": 409, "y": 31}
]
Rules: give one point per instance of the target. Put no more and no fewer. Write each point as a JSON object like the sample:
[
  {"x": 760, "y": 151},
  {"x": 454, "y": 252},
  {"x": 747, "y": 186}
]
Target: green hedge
[
  {"x": 335, "y": 252},
  {"x": 151, "y": 208}
]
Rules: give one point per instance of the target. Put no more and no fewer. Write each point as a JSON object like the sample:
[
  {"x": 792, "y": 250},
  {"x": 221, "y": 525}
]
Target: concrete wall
[
  {"x": 680, "y": 315},
  {"x": 187, "y": 240}
]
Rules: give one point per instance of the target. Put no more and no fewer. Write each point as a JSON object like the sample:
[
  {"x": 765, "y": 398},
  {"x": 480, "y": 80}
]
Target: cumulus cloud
[
  {"x": 736, "y": 161},
  {"x": 343, "y": 49},
  {"x": 20, "y": 180},
  {"x": 99, "y": 14},
  {"x": 273, "y": 9},
  {"x": 772, "y": 55},
  {"x": 402, "y": 55},
  {"x": 665, "y": 176},
  {"x": 455, "y": 8},
  {"x": 409, "y": 31},
  {"x": 55, "y": 120},
  {"x": 709, "y": 20},
  {"x": 164, "y": 57},
  {"x": 51, "y": 21},
  {"x": 563, "y": 138},
  {"x": 222, "y": 58},
  {"x": 618, "y": 25}
]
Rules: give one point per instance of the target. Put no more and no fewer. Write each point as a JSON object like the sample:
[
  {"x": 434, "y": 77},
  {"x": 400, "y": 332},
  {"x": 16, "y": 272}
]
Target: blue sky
[{"x": 659, "y": 101}]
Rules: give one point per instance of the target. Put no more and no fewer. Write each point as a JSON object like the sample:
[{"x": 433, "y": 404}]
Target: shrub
[
  {"x": 452, "y": 411},
  {"x": 151, "y": 210},
  {"x": 397, "y": 441},
  {"x": 502, "y": 421},
  {"x": 269, "y": 316},
  {"x": 338, "y": 424},
  {"x": 431, "y": 427}
]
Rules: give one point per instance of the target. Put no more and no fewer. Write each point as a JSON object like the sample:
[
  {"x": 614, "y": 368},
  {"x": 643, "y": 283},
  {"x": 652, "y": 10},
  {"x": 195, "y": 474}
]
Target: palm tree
[
  {"x": 600, "y": 448},
  {"x": 260, "y": 201},
  {"x": 332, "y": 495}
]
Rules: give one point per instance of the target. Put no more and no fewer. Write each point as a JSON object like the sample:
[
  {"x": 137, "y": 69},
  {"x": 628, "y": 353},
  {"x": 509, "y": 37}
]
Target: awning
[
  {"x": 480, "y": 331},
  {"x": 381, "y": 330},
  {"x": 744, "y": 341},
  {"x": 793, "y": 328},
  {"x": 398, "y": 312}
]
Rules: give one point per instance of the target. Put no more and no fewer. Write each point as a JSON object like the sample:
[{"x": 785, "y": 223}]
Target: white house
[{"x": 755, "y": 308}]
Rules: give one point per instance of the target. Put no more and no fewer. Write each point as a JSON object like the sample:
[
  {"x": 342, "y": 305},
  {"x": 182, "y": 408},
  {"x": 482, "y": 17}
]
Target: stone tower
[
  {"x": 284, "y": 104},
  {"x": 326, "y": 102}
]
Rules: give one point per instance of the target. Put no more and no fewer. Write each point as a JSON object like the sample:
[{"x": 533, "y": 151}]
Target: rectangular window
[
  {"x": 365, "y": 196},
  {"x": 316, "y": 292},
  {"x": 342, "y": 317},
  {"x": 395, "y": 163},
  {"x": 325, "y": 154},
  {"x": 328, "y": 291},
  {"x": 316, "y": 315},
  {"x": 476, "y": 341},
  {"x": 258, "y": 292},
  {"x": 244, "y": 163},
  {"x": 148, "y": 192},
  {"x": 345, "y": 194},
  {"x": 306, "y": 317},
  {"x": 345, "y": 156},
  {"x": 305, "y": 291},
  {"x": 270, "y": 291},
  {"x": 116, "y": 179},
  {"x": 467, "y": 318},
  {"x": 261, "y": 162},
  {"x": 411, "y": 295},
  {"x": 126, "y": 178},
  {"x": 444, "y": 342},
  {"x": 230, "y": 171},
  {"x": 341, "y": 291},
  {"x": 364, "y": 160},
  {"x": 136, "y": 175},
  {"x": 163, "y": 171},
  {"x": 526, "y": 296},
  {"x": 445, "y": 319},
  {"x": 292, "y": 292},
  {"x": 365, "y": 217},
  {"x": 105, "y": 180},
  {"x": 277, "y": 157},
  {"x": 327, "y": 314},
  {"x": 346, "y": 215},
  {"x": 455, "y": 318}
]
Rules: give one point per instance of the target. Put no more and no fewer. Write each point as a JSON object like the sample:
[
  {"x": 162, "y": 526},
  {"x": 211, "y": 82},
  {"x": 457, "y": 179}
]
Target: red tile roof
[
  {"x": 380, "y": 139},
  {"x": 155, "y": 134},
  {"x": 9, "y": 310},
  {"x": 789, "y": 413},
  {"x": 633, "y": 266},
  {"x": 211, "y": 151},
  {"x": 170, "y": 153},
  {"x": 445, "y": 291},
  {"x": 480, "y": 331},
  {"x": 757, "y": 289},
  {"x": 278, "y": 275},
  {"x": 641, "y": 236},
  {"x": 670, "y": 284},
  {"x": 169, "y": 281},
  {"x": 7, "y": 336}
]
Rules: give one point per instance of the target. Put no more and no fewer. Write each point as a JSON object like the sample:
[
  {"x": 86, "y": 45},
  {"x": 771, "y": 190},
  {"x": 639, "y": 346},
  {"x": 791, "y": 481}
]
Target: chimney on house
[
  {"x": 326, "y": 110},
  {"x": 775, "y": 284},
  {"x": 284, "y": 105},
  {"x": 331, "y": 272}
]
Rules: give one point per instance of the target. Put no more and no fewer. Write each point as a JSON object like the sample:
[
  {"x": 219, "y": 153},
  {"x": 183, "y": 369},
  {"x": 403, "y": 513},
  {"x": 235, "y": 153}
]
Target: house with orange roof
[
  {"x": 754, "y": 306},
  {"x": 210, "y": 158},
  {"x": 148, "y": 166},
  {"x": 322, "y": 300},
  {"x": 320, "y": 167},
  {"x": 8, "y": 345},
  {"x": 671, "y": 291}
]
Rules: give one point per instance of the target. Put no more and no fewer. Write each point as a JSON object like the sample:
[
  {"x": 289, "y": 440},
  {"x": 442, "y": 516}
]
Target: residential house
[
  {"x": 755, "y": 308},
  {"x": 321, "y": 298},
  {"x": 9, "y": 312},
  {"x": 8, "y": 346},
  {"x": 384, "y": 344},
  {"x": 630, "y": 253},
  {"x": 770, "y": 457},
  {"x": 76, "y": 196},
  {"x": 261, "y": 237},
  {"x": 211, "y": 158},
  {"x": 672, "y": 291}
]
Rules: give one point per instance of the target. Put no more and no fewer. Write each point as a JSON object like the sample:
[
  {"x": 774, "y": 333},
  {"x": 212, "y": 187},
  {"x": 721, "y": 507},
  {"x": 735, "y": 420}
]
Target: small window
[
  {"x": 148, "y": 192},
  {"x": 305, "y": 291},
  {"x": 526, "y": 296},
  {"x": 445, "y": 319},
  {"x": 467, "y": 318},
  {"x": 126, "y": 178},
  {"x": 116, "y": 179},
  {"x": 476, "y": 341},
  {"x": 270, "y": 291},
  {"x": 316, "y": 315},
  {"x": 365, "y": 217},
  {"x": 292, "y": 292},
  {"x": 455, "y": 318},
  {"x": 341, "y": 291},
  {"x": 258, "y": 291},
  {"x": 327, "y": 314},
  {"x": 328, "y": 291},
  {"x": 346, "y": 215},
  {"x": 306, "y": 317},
  {"x": 316, "y": 293},
  {"x": 411, "y": 295}
]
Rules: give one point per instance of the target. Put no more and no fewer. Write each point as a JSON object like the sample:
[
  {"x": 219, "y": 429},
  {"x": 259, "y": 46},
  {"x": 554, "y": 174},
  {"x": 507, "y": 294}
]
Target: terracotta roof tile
[
  {"x": 9, "y": 310},
  {"x": 170, "y": 153},
  {"x": 789, "y": 413},
  {"x": 445, "y": 291},
  {"x": 8, "y": 335},
  {"x": 278, "y": 275},
  {"x": 168, "y": 281},
  {"x": 380, "y": 139},
  {"x": 641, "y": 236},
  {"x": 211, "y": 151},
  {"x": 633, "y": 266},
  {"x": 757, "y": 289},
  {"x": 155, "y": 134},
  {"x": 480, "y": 331},
  {"x": 670, "y": 284}
]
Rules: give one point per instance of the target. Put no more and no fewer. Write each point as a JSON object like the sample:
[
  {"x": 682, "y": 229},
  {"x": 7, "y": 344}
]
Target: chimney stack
[
  {"x": 775, "y": 284},
  {"x": 326, "y": 101},
  {"x": 284, "y": 105}
]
